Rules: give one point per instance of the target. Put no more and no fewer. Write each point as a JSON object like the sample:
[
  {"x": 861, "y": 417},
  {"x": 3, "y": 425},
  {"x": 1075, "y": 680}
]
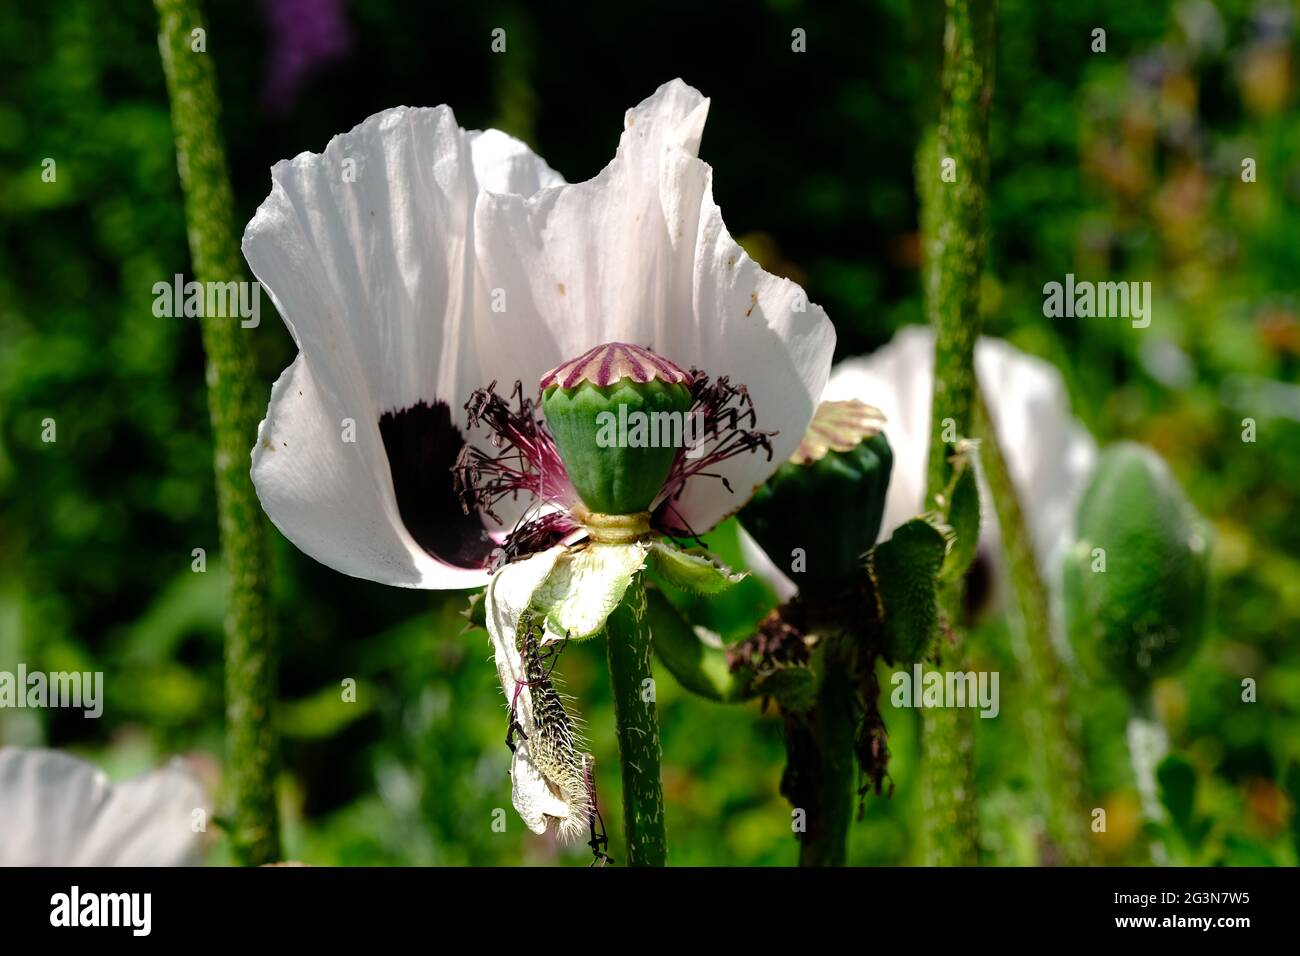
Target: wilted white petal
[
  {"x": 508, "y": 595},
  {"x": 533, "y": 799},
  {"x": 56, "y": 810},
  {"x": 586, "y": 585},
  {"x": 640, "y": 254}
]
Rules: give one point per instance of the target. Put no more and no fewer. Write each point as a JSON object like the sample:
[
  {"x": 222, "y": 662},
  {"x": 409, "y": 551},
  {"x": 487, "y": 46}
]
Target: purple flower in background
[{"x": 306, "y": 35}]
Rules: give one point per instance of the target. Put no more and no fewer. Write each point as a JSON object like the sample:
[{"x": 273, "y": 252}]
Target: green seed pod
[
  {"x": 1136, "y": 583},
  {"x": 619, "y": 414},
  {"x": 827, "y": 501}
]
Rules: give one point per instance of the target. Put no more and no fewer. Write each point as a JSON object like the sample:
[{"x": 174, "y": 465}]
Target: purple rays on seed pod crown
[{"x": 612, "y": 362}]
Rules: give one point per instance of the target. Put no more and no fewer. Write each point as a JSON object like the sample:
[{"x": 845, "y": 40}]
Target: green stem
[
  {"x": 948, "y": 785},
  {"x": 1148, "y": 744},
  {"x": 953, "y": 219},
  {"x": 952, "y": 179},
  {"x": 628, "y": 633},
  {"x": 235, "y": 403},
  {"x": 820, "y": 764},
  {"x": 1057, "y": 759}
]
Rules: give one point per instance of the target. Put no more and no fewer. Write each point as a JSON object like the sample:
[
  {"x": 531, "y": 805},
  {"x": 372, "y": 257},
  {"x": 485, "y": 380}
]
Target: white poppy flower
[
  {"x": 417, "y": 264},
  {"x": 1049, "y": 454},
  {"x": 56, "y": 810}
]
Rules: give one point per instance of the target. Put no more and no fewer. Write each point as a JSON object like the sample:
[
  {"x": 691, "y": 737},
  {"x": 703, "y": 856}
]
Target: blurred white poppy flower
[
  {"x": 1049, "y": 453},
  {"x": 417, "y": 264},
  {"x": 56, "y": 810}
]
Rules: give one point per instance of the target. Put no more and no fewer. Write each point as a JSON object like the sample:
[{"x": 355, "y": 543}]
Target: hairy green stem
[
  {"x": 628, "y": 633},
  {"x": 820, "y": 764},
  {"x": 1057, "y": 758},
  {"x": 952, "y": 179},
  {"x": 948, "y": 785},
  {"x": 235, "y": 403}
]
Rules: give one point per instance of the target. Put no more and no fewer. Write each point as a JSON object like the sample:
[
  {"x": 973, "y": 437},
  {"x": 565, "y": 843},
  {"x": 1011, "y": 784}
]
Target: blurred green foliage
[{"x": 1122, "y": 164}]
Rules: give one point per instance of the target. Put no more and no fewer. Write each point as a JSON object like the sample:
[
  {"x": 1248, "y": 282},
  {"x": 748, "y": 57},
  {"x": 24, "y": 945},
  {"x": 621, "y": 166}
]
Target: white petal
[
  {"x": 335, "y": 500},
  {"x": 56, "y": 810},
  {"x": 756, "y": 560},
  {"x": 367, "y": 252},
  {"x": 640, "y": 254},
  {"x": 1049, "y": 453}
]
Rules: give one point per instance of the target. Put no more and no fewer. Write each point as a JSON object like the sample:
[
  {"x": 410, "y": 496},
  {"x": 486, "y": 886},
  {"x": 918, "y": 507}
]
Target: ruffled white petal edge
[
  {"x": 640, "y": 254},
  {"x": 57, "y": 810},
  {"x": 367, "y": 251}
]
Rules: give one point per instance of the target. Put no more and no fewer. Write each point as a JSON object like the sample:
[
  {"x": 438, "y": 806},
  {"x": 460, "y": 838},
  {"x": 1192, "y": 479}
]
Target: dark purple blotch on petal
[{"x": 422, "y": 446}]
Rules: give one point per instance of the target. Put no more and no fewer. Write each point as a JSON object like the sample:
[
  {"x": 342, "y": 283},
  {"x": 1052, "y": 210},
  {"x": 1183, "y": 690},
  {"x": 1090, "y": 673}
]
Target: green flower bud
[
  {"x": 1136, "y": 589},
  {"x": 619, "y": 414},
  {"x": 827, "y": 501}
]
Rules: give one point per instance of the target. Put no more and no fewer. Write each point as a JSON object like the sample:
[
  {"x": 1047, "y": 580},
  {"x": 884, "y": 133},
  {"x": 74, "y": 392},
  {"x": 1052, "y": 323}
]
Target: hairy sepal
[{"x": 694, "y": 570}]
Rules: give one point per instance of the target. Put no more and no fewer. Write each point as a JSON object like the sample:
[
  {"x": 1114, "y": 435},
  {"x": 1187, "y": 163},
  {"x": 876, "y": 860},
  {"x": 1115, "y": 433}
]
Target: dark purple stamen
[
  {"x": 728, "y": 417},
  {"x": 526, "y": 462}
]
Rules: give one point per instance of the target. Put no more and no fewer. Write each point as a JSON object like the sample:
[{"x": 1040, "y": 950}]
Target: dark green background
[{"x": 1122, "y": 165}]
